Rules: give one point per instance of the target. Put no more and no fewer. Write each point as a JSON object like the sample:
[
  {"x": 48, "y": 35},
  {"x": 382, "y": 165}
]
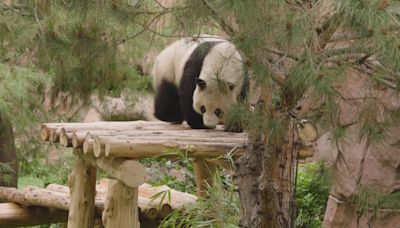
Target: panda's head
[{"x": 212, "y": 102}]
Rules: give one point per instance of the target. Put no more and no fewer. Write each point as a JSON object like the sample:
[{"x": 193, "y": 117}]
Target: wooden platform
[
  {"x": 114, "y": 148},
  {"x": 138, "y": 139}
]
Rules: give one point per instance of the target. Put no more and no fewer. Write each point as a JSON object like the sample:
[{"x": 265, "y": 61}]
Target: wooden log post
[
  {"x": 204, "y": 172},
  {"x": 82, "y": 183},
  {"x": 121, "y": 203},
  {"x": 121, "y": 206}
]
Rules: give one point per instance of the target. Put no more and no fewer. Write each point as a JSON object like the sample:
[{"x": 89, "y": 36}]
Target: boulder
[{"x": 360, "y": 161}]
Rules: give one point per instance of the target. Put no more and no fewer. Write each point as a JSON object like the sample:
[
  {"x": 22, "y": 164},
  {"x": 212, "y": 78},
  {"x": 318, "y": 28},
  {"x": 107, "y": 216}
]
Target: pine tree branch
[
  {"x": 327, "y": 30},
  {"x": 346, "y": 37},
  {"x": 146, "y": 27},
  {"x": 353, "y": 98},
  {"x": 160, "y": 5},
  {"x": 385, "y": 81},
  {"x": 281, "y": 53},
  {"x": 296, "y": 5},
  {"x": 342, "y": 51},
  {"x": 14, "y": 10},
  {"x": 228, "y": 29}
]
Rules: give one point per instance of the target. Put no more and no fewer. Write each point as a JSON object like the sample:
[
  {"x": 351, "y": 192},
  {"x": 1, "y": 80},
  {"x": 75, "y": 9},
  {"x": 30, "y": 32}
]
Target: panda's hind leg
[{"x": 166, "y": 103}]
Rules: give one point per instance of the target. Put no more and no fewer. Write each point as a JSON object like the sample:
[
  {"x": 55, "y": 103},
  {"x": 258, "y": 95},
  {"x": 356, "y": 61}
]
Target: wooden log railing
[{"x": 51, "y": 204}]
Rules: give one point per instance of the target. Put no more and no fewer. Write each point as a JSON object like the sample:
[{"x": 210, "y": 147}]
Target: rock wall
[
  {"x": 340, "y": 214},
  {"x": 360, "y": 162}
]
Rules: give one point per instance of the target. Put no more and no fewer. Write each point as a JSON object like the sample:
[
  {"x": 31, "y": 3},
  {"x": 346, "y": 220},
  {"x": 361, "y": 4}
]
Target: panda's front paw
[{"x": 236, "y": 128}]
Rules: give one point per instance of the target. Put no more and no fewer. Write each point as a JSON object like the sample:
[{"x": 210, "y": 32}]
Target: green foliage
[
  {"x": 6, "y": 172},
  {"x": 364, "y": 16},
  {"x": 24, "y": 181},
  {"x": 88, "y": 45},
  {"x": 312, "y": 191},
  {"x": 39, "y": 172},
  {"x": 220, "y": 208},
  {"x": 236, "y": 117},
  {"x": 66, "y": 40},
  {"x": 19, "y": 101},
  {"x": 163, "y": 168},
  {"x": 372, "y": 129}
]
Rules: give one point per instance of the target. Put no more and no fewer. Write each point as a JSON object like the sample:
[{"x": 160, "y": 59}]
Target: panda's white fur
[
  {"x": 225, "y": 62},
  {"x": 169, "y": 64},
  {"x": 220, "y": 70}
]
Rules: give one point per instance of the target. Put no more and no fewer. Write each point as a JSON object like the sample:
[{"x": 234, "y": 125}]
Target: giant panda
[{"x": 197, "y": 80}]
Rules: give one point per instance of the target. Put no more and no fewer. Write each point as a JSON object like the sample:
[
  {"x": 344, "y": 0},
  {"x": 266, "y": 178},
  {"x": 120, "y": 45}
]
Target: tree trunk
[
  {"x": 266, "y": 180},
  {"x": 8, "y": 152}
]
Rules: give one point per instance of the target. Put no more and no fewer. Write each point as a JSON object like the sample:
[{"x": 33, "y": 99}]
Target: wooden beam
[
  {"x": 16, "y": 215},
  {"x": 129, "y": 172},
  {"x": 106, "y": 125},
  {"x": 35, "y": 196},
  {"x": 151, "y": 148}
]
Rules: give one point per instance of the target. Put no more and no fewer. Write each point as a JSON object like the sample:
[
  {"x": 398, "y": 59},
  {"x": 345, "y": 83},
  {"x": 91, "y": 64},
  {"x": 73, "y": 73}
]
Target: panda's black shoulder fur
[{"x": 191, "y": 72}]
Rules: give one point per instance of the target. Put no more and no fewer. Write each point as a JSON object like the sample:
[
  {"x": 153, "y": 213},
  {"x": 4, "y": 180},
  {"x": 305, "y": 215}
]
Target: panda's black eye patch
[
  {"x": 202, "y": 109},
  {"x": 218, "y": 112}
]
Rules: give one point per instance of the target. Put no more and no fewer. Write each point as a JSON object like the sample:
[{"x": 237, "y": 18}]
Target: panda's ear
[
  {"x": 231, "y": 85},
  {"x": 201, "y": 83}
]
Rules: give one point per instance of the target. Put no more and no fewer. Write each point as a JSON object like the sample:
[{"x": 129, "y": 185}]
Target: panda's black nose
[{"x": 218, "y": 112}]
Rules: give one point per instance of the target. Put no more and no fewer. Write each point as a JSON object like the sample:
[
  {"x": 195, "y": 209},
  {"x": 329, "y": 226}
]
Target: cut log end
[
  {"x": 107, "y": 149},
  {"x": 76, "y": 141},
  {"x": 44, "y": 133},
  {"x": 87, "y": 147},
  {"x": 305, "y": 152},
  {"x": 98, "y": 147},
  {"x": 64, "y": 140},
  {"x": 54, "y": 135}
]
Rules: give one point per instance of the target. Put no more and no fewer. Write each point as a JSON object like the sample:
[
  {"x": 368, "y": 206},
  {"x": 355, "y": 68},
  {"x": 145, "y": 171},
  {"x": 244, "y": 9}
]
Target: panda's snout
[
  {"x": 210, "y": 127},
  {"x": 210, "y": 121}
]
